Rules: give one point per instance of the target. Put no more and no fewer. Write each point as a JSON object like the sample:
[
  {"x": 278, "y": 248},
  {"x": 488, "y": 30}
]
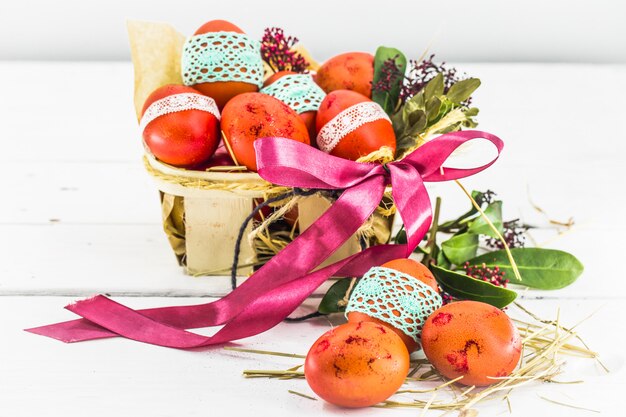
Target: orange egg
[
  {"x": 414, "y": 269},
  {"x": 340, "y": 135},
  {"x": 222, "y": 91},
  {"x": 357, "y": 364},
  {"x": 176, "y": 129},
  {"x": 473, "y": 340},
  {"x": 276, "y": 76},
  {"x": 349, "y": 71},
  {"x": 251, "y": 116},
  {"x": 308, "y": 117}
]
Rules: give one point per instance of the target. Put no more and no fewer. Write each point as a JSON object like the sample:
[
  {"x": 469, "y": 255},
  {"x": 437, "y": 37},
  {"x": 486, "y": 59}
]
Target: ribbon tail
[
  {"x": 73, "y": 331},
  {"x": 165, "y": 326},
  {"x": 275, "y": 304}
]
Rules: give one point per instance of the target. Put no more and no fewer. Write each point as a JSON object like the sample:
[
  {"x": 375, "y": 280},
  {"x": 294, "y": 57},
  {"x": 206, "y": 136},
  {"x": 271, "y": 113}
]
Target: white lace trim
[
  {"x": 348, "y": 121},
  {"x": 176, "y": 103}
]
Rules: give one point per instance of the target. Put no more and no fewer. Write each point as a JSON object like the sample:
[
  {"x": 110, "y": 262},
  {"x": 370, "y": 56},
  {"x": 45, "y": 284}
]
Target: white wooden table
[{"x": 78, "y": 216}]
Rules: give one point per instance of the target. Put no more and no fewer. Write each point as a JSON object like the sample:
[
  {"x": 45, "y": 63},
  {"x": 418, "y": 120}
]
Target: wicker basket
[{"x": 203, "y": 213}]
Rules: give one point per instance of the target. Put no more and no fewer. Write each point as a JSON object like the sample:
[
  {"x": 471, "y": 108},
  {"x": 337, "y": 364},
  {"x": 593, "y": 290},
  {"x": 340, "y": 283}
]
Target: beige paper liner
[{"x": 156, "y": 50}]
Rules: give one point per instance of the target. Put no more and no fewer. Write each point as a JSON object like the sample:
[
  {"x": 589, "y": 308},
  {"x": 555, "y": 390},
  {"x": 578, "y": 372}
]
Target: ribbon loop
[{"x": 284, "y": 282}]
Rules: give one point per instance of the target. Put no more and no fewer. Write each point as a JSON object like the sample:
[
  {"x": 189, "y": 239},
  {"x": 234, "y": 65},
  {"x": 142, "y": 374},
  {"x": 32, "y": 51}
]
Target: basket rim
[{"x": 167, "y": 169}]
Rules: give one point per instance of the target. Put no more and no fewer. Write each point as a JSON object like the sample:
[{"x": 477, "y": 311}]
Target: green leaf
[
  {"x": 432, "y": 108},
  {"x": 546, "y": 269},
  {"x": 418, "y": 125},
  {"x": 434, "y": 88},
  {"x": 401, "y": 237},
  {"x": 388, "y": 100},
  {"x": 335, "y": 293},
  {"x": 493, "y": 212},
  {"x": 460, "y": 248},
  {"x": 453, "y": 224},
  {"x": 462, "y": 90},
  {"x": 414, "y": 103},
  {"x": 472, "y": 111},
  {"x": 467, "y": 288},
  {"x": 442, "y": 261}
]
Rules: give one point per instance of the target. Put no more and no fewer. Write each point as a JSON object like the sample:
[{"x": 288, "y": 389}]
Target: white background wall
[{"x": 457, "y": 30}]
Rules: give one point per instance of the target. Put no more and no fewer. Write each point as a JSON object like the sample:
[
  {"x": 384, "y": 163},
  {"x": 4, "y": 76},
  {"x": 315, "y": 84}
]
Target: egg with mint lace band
[
  {"x": 396, "y": 298},
  {"x": 222, "y": 56},
  {"x": 298, "y": 91}
]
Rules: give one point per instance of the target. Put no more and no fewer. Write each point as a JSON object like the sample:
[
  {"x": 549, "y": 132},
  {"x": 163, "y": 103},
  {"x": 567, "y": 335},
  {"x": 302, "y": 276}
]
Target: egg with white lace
[
  {"x": 180, "y": 126},
  {"x": 352, "y": 126}
]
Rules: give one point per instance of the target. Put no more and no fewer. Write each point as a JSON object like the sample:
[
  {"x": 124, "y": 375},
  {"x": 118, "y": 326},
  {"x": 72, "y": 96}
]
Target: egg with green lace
[
  {"x": 221, "y": 61},
  {"x": 400, "y": 294},
  {"x": 299, "y": 92}
]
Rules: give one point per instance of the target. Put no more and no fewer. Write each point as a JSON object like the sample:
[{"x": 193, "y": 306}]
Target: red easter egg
[
  {"x": 308, "y": 117},
  {"x": 414, "y": 269},
  {"x": 471, "y": 339},
  {"x": 349, "y": 71},
  {"x": 222, "y": 91},
  {"x": 357, "y": 364},
  {"x": 364, "y": 139},
  {"x": 180, "y": 138},
  {"x": 251, "y": 116}
]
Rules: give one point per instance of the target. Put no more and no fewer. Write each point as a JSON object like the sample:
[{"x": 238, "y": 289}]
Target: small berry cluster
[
  {"x": 493, "y": 275},
  {"x": 419, "y": 74},
  {"x": 389, "y": 76},
  {"x": 276, "y": 51},
  {"x": 487, "y": 198},
  {"x": 445, "y": 297},
  {"x": 513, "y": 234}
]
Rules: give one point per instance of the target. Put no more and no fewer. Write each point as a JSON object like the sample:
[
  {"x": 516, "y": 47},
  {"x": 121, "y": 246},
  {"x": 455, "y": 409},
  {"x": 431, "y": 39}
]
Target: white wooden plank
[
  {"x": 41, "y": 376},
  {"x": 79, "y": 193},
  {"x": 122, "y": 230},
  {"x": 124, "y": 193},
  {"x": 69, "y": 111},
  {"x": 137, "y": 259},
  {"x": 82, "y": 260}
]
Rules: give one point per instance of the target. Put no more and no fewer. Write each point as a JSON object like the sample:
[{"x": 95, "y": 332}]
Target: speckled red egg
[
  {"x": 250, "y": 116},
  {"x": 357, "y": 364},
  {"x": 471, "y": 339}
]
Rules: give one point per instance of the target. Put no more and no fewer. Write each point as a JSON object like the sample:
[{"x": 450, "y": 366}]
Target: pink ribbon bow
[{"x": 284, "y": 282}]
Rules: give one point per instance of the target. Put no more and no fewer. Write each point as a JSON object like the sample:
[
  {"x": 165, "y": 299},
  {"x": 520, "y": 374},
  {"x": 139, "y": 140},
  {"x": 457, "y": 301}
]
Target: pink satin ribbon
[{"x": 283, "y": 283}]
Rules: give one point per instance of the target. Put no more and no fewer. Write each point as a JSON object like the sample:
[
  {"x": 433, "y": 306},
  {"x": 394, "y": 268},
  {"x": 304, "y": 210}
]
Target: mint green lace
[
  {"x": 298, "y": 91},
  {"x": 396, "y": 298},
  {"x": 222, "y": 56}
]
